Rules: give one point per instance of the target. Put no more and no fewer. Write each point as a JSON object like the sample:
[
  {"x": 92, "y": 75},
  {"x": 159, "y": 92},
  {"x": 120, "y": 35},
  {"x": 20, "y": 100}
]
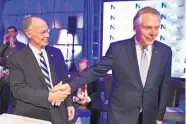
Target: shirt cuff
[
  {"x": 73, "y": 98},
  {"x": 106, "y": 102},
  {"x": 88, "y": 99}
]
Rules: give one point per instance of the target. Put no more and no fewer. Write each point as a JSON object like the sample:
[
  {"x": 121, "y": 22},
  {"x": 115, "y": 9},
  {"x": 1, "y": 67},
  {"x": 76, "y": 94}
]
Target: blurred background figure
[
  {"x": 9, "y": 45},
  {"x": 88, "y": 96}
]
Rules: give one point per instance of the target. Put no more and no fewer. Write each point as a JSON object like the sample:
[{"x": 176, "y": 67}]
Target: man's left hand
[
  {"x": 11, "y": 40},
  {"x": 71, "y": 112},
  {"x": 159, "y": 122}
]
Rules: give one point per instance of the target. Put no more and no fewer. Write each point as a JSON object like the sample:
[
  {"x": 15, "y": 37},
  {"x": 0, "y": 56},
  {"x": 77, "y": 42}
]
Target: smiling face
[
  {"x": 147, "y": 29},
  {"x": 38, "y": 33}
]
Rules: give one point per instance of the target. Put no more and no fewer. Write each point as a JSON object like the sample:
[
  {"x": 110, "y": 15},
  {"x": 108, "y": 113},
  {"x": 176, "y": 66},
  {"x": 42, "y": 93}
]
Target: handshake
[{"x": 59, "y": 93}]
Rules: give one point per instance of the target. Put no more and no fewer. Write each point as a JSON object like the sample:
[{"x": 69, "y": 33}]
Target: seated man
[{"x": 88, "y": 96}]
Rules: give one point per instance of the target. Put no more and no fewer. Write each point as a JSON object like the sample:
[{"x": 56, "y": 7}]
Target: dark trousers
[
  {"x": 95, "y": 116},
  {"x": 5, "y": 94},
  {"x": 140, "y": 118}
]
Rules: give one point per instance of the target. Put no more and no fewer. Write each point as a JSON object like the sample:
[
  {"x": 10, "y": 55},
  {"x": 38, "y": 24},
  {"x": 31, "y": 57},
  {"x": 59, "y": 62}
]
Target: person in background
[
  {"x": 88, "y": 96},
  {"x": 7, "y": 47}
]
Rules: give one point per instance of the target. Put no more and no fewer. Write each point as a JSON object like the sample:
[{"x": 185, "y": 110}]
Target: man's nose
[
  {"x": 47, "y": 35},
  {"x": 152, "y": 32}
]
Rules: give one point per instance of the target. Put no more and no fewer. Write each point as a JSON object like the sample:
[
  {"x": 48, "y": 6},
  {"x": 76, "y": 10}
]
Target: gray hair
[
  {"x": 142, "y": 11},
  {"x": 26, "y": 23}
]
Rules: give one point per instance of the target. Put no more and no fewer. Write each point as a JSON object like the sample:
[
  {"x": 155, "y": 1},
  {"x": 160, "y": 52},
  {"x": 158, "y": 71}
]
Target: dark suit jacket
[
  {"x": 4, "y": 83},
  {"x": 128, "y": 95},
  {"x": 4, "y": 51},
  {"x": 94, "y": 92},
  {"x": 30, "y": 89}
]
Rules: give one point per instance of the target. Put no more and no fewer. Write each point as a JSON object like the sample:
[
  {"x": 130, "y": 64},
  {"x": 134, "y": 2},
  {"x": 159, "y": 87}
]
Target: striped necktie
[{"x": 44, "y": 70}]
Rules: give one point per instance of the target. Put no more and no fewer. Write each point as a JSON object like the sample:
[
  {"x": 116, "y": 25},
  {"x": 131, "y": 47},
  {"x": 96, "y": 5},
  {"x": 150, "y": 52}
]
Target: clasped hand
[{"x": 59, "y": 93}]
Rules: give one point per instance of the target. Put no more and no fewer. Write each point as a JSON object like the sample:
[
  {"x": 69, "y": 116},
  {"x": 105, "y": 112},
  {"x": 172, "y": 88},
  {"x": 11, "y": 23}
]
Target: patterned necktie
[
  {"x": 44, "y": 70},
  {"x": 83, "y": 88},
  {"x": 10, "y": 50},
  {"x": 144, "y": 66}
]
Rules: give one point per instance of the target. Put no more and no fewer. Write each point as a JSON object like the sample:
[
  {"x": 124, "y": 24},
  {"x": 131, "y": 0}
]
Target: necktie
[
  {"x": 44, "y": 70},
  {"x": 10, "y": 50},
  {"x": 144, "y": 66},
  {"x": 83, "y": 88}
]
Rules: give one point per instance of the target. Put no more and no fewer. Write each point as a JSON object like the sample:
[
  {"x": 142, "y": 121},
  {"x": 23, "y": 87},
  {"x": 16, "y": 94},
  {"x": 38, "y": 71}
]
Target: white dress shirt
[
  {"x": 139, "y": 52},
  {"x": 36, "y": 54}
]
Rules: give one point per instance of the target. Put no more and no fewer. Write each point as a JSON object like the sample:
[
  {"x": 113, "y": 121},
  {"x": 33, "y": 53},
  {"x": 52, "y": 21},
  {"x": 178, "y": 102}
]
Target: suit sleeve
[
  {"x": 68, "y": 101},
  {"x": 92, "y": 73},
  {"x": 21, "y": 90},
  {"x": 75, "y": 92},
  {"x": 164, "y": 89},
  {"x": 2, "y": 49},
  {"x": 97, "y": 91}
]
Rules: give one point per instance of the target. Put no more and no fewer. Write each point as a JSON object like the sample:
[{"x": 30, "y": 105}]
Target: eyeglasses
[{"x": 44, "y": 32}]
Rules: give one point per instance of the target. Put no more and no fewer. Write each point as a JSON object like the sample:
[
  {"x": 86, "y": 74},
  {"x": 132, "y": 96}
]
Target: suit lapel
[
  {"x": 32, "y": 61},
  {"x": 52, "y": 67},
  {"x": 131, "y": 52},
  {"x": 154, "y": 64}
]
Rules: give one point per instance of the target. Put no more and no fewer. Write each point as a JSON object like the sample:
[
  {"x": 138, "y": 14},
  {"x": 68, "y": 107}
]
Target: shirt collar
[{"x": 35, "y": 50}]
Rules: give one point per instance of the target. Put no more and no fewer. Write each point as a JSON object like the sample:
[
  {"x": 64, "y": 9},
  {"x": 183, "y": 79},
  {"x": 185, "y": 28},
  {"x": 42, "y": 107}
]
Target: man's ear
[
  {"x": 28, "y": 33},
  {"x": 134, "y": 28}
]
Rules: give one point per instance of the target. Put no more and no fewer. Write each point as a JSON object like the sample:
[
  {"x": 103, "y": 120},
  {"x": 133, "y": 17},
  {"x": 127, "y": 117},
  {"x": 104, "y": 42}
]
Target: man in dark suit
[
  {"x": 141, "y": 69},
  {"x": 9, "y": 45},
  {"x": 88, "y": 95},
  {"x": 34, "y": 71}
]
